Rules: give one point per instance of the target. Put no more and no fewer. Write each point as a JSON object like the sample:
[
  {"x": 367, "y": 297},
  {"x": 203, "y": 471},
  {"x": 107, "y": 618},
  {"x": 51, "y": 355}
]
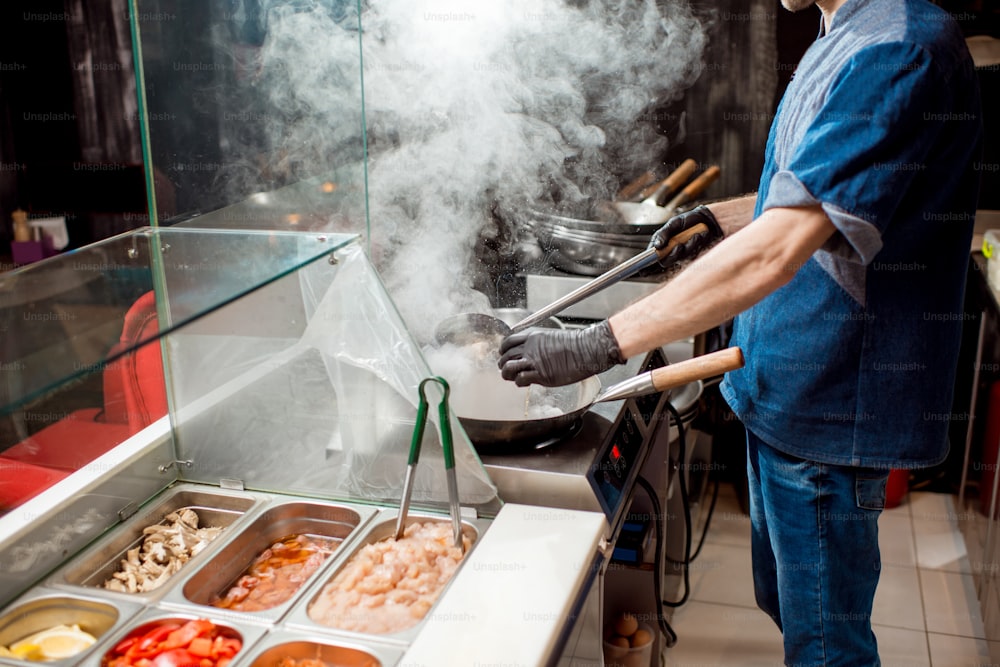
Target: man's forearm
[
  {"x": 734, "y": 214},
  {"x": 734, "y": 275}
]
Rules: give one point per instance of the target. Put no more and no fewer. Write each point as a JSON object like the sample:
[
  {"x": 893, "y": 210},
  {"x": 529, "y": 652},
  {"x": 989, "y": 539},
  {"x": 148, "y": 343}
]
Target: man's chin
[{"x": 797, "y": 5}]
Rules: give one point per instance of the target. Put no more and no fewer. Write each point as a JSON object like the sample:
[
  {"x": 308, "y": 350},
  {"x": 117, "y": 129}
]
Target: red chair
[
  {"x": 21, "y": 481},
  {"x": 134, "y": 397}
]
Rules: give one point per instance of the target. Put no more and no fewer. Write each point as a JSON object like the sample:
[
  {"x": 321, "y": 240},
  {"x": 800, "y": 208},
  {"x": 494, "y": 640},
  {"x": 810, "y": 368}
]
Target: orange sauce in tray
[{"x": 277, "y": 573}]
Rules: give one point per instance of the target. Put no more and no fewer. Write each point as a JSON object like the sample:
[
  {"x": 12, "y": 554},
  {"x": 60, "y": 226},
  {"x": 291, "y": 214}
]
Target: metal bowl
[
  {"x": 588, "y": 257},
  {"x": 536, "y": 217},
  {"x": 588, "y": 247},
  {"x": 594, "y": 237}
]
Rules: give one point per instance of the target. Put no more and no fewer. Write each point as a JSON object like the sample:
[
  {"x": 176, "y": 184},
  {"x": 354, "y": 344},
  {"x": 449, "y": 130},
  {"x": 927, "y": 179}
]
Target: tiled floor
[{"x": 926, "y": 613}]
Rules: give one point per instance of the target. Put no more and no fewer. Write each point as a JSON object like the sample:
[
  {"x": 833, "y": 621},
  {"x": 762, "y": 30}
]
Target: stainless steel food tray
[
  {"x": 383, "y": 526},
  {"x": 249, "y": 633},
  {"x": 42, "y": 608},
  {"x": 279, "y": 644},
  {"x": 281, "y": 518},
  {"x": 215, "y": 507}
]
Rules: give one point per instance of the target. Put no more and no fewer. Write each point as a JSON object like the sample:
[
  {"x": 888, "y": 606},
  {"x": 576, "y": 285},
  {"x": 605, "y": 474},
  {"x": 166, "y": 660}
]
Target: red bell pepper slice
[
  {"x": 176, "y": 657},
  {"x": 190, "y": 630},
  {"x": 156, "y": 635},
  {"x": 124, "y": 645},
  {"x": 225, "y": 647},
  {"x": 201, "y": 647},
  {"x": 148, "y": 645},
  {"x": 196, "y": 643}
]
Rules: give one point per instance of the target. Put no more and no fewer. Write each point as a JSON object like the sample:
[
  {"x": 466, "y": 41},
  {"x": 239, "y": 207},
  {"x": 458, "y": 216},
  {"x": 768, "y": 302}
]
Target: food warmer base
[
  {"x": 521, "y": 553},
  {"x": 250, "y": 521}
]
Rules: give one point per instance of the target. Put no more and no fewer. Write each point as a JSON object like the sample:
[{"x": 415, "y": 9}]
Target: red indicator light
[{"x": 615, "y": 453}]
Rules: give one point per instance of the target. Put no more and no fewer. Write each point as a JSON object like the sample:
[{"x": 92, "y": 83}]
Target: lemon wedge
[
  {"x": 24, "y": 650},
  {"x": 61, "y": 641}
]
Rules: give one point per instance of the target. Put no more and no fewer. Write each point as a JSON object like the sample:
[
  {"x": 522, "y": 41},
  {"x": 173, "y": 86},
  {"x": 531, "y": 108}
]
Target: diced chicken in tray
[
  {"x": 165, "y": 548},
  {"x": 390, "y": 585}
]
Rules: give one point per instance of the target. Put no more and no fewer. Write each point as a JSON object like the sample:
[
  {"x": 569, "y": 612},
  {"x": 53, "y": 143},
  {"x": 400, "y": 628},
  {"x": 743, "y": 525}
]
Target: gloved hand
[
  {"x": 555, "y": 357},
  {"x": 693, "y": 246}
]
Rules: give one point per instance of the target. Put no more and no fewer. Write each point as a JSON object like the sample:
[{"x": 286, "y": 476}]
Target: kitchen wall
[
  {"x": 69, "y": 137},
  {"x": 69, "y": 140}
]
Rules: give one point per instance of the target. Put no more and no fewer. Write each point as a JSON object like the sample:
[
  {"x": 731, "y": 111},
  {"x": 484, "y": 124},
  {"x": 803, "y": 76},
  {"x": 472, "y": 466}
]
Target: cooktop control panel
[{"x": 621, "y": 454}]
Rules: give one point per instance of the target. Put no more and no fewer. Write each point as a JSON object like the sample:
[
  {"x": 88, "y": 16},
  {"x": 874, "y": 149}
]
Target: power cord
[
  {"x": 682, "y": 457},
  {"x": 668, "y": 632},
  {"x": 670, "y": 637},
  {"x": 658, "y": 524}
]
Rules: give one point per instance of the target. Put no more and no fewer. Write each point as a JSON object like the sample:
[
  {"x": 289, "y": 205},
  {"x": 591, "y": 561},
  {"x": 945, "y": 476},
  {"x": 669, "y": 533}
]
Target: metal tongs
[{"x": 449, "y": 461}]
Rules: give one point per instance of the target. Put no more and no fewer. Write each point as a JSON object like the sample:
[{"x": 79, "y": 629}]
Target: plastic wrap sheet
[{"x": 310, "y": 386}]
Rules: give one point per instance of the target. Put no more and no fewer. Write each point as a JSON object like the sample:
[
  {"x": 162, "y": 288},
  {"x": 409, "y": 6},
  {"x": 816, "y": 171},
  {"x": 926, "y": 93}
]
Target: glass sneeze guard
[
  {"x": 251, "y": 113},
  {"x": 61, "y": 319}
]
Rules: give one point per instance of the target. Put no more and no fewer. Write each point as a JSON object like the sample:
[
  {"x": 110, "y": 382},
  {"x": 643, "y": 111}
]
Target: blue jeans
[{"x": 815, "y": 554}]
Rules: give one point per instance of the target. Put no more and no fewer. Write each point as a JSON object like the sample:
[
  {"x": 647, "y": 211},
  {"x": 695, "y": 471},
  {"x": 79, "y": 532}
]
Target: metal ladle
[
  {"x": 469, "y": 328},
  {"x": 625, "y": 211},
  {"x": 648, "y": 212}
]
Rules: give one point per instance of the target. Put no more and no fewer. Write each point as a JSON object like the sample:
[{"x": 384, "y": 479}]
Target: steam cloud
[{"x": 467, "y": 103}]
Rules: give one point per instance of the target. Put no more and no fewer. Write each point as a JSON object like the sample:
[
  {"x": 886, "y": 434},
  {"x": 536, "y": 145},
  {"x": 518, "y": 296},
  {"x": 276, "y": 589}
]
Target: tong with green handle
[{"x": 449, "y": 461}]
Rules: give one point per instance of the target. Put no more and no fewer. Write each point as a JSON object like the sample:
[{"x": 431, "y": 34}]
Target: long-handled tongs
[{"x": 449, "y": 461}]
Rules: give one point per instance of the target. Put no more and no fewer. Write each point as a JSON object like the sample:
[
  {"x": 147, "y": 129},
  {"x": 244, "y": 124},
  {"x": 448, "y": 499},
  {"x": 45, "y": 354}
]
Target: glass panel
[
  {"x": 62, "y": 318},
  {"x": 281, "y": 361},
  {"x": 241, "y": 120},
  {"x": 317, "y": 398},
  {"x": 81, "y": 367}
]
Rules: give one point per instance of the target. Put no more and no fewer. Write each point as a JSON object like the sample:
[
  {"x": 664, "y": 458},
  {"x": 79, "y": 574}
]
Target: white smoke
[{"x": 469, "y": 102}]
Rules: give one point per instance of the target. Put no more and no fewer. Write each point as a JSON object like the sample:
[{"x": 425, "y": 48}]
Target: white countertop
[{"x": 509, "y": 602}]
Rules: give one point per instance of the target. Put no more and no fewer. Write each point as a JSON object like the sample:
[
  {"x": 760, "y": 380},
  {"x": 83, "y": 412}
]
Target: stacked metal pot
[{"x": 615, "y": 231}]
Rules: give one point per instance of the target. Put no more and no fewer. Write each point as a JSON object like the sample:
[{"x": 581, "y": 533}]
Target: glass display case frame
[
  {"x": 252, "y": 369},
  {"x": 243, "y": 124},
  {"x": 249, "y": 345}
]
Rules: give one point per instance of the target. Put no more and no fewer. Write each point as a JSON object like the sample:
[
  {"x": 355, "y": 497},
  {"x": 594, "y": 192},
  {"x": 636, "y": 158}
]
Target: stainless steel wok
[{"x": 575, "y": 399}]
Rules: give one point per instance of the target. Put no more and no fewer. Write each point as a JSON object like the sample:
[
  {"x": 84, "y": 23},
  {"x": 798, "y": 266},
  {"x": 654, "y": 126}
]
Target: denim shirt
[{"x": 853, "y": 361}]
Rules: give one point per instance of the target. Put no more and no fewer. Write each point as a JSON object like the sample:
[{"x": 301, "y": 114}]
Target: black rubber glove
[
  {"x": 693, "y": 246},
  {"x": 553, "y": 357}
]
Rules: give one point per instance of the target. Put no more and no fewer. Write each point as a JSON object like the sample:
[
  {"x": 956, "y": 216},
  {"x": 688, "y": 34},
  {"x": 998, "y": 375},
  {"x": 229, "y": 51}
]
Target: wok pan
[
  {"x": 617, "y": 221},
  {"x": 572, "y": 401}
]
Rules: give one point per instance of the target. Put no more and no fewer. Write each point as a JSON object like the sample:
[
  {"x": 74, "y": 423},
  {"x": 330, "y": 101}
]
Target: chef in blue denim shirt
[{"x": 845, "y": 274}]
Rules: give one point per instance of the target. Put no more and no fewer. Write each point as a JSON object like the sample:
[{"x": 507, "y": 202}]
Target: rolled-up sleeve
[{"x": 864, "y": 147}]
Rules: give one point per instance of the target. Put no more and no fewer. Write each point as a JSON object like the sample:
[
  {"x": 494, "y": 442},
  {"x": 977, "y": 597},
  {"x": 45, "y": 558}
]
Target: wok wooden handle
[
  {"x": 681, "y": 174},
  {"x": 677, "y": 178},
  {"x": 636, "y": 188},
  {"x": 700, "y": 228},
  {"x": 695, "y": 187},
  {"x": 698, "y": 368}
]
